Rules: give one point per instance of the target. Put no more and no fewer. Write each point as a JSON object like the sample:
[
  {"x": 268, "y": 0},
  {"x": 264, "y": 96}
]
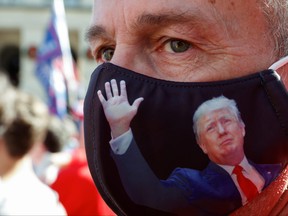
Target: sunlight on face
[{"x": 181, "y": 40}]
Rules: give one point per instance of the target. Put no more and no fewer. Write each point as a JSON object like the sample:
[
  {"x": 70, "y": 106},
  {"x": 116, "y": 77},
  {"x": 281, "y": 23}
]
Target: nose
[
  {"x": 132, "y": 58},
  {"x": 221, "y": 128},
  {"x": 123, "y": 56}
]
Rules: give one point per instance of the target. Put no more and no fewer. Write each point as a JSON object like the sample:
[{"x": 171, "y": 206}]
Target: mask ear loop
[{"x": 279, "y": 63}]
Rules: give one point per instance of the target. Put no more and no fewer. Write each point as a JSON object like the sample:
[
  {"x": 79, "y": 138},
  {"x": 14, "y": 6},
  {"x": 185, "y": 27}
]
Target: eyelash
[
  {"x": 168, "y": 42},
  {"x": 98, "y": 53}
]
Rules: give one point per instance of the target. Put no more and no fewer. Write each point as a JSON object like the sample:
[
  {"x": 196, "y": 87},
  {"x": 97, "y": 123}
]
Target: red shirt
[{"x": 77, "y": 191}]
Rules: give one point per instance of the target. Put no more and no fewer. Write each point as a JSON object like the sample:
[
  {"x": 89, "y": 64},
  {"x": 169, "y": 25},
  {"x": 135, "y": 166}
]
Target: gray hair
[
  {"x": 276, "y": 12},
  {"x": 212, "y": 105}
]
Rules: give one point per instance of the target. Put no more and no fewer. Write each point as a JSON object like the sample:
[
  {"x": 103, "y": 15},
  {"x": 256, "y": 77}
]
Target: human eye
[
  {"x": 227, "y": 120},
  {"x": 105, "y": 54},
  {"x": 210, "y": 128},
  {"x": 176, "y": 46}
]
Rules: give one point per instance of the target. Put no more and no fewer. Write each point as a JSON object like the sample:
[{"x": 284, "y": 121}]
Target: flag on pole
[{"x": 55, "y": 67}]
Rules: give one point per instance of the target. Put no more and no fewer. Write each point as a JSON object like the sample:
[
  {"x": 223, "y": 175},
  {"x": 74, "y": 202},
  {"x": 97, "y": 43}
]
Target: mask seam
[
  {"x": 273, "y": 104},
  {"x": 95, "y": 156},
  {"x": 191, "y": 84}
]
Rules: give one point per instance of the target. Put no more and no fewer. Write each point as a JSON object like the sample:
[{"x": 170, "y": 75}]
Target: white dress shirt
[{"x": 249, "y": 172}]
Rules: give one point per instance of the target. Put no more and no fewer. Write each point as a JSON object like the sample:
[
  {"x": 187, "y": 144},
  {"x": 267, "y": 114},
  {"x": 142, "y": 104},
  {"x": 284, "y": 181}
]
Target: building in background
[{"x": 23, "y": 25}]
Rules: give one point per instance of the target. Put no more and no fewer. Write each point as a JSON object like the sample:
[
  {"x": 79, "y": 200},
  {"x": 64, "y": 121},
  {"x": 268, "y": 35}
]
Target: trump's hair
[{"x": 211, "y": 105}]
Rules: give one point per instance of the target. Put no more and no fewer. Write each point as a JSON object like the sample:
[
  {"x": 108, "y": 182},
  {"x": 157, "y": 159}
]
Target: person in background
[
  {"x": 75, "y": 185},
  {"x": 52, "y": 154},
  {"x": 23, "y": 124}
]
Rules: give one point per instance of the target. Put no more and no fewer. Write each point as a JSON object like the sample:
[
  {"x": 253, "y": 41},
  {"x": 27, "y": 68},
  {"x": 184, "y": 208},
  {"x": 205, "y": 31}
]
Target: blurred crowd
[{"x": 43, "y": 166}]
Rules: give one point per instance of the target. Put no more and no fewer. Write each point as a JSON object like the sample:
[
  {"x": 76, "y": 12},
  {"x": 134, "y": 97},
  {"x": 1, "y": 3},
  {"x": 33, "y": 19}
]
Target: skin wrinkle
[
  {"x": 213, "y": 45},
  {"x": 96, "y": 32},
  {"x": 213, "y": 36},
  {"x": 193, "y": 60},
  {"x": 167, "y": 18},
  {"x": 147, "y": 20},
  {"x": 231, "y": 28},
  {"x": 220, "y": 19},
  {"x": 224, "y": 22},
  {"x": 144, "y": 20},
  {"x": 228, "y": 25}
]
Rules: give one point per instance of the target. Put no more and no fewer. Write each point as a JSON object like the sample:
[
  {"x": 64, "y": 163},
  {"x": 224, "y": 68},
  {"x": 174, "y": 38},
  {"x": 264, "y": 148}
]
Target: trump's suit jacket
[{"x": 186, "y": 191}]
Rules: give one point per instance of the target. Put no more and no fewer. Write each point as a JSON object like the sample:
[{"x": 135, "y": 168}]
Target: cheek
[
  {"x": 237, "y": 131},
  {"x": 208, "y": 143}
]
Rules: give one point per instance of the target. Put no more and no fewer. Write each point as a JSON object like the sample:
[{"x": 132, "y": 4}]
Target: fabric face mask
[{"x": 163, "y": 130}]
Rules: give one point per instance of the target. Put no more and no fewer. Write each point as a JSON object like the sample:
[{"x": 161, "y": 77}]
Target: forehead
[
  {"x": 116, "y": 11},
  {"x": 215, "y": 115}
]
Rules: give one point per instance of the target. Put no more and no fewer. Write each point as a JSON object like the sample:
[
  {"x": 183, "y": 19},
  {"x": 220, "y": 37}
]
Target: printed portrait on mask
[{"x": 174, "y": 138}]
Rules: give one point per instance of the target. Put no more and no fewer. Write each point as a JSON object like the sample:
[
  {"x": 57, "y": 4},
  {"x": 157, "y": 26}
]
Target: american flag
[{"x": 54, "y": 66}]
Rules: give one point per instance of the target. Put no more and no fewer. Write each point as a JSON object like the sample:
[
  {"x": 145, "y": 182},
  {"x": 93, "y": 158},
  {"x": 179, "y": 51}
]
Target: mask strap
[{"x": 280, "y": 63}]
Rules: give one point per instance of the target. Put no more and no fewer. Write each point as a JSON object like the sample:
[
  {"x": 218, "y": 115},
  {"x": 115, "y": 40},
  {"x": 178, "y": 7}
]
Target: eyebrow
[
  {"x": 164, "y": 19},
  {"x": 147, "y": 20},
  {"x": 95, "y": 32}
]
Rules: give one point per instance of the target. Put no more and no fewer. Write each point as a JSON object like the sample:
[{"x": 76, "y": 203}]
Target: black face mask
[{"x": 163, "y": 130}]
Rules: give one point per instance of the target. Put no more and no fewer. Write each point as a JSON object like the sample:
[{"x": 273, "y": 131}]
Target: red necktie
[{"x": 246, "y": 185}]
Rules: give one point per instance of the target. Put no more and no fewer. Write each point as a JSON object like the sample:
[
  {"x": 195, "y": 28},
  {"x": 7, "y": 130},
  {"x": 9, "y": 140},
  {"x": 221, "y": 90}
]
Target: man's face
[
  {"x": 187, "y": 40},
  {"x": 221, "y": 136}
]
